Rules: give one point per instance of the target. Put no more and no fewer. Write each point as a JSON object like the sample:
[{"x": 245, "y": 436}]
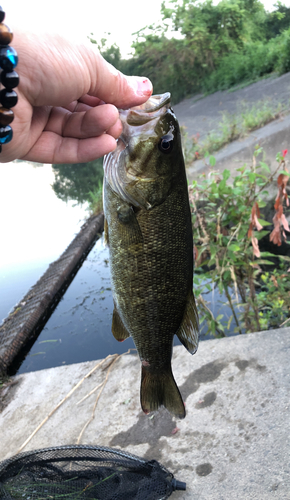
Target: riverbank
[{"x": 233, "y": 443}]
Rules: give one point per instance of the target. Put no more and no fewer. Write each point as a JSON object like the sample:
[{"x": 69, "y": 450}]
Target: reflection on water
[
  {"x": 76, "y": 181},
  {"x": 35, "y": 228}
]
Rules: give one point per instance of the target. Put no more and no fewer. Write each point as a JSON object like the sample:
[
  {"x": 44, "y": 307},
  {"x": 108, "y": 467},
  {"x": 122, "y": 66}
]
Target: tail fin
[{"x": 159, "y": 388}]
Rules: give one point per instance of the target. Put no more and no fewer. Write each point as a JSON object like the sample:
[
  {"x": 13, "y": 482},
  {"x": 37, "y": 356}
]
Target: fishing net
[{"x": 84, "y": 472}]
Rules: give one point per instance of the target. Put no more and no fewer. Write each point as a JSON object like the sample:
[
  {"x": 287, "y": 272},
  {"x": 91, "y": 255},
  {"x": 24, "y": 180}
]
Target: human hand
[{"x": 60, "y": 116}]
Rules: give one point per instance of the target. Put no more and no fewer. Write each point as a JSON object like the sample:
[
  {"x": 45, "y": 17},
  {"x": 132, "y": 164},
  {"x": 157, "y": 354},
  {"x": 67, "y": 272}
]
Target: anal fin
[
  {"x": 188, "y": 332},
  {"x": 118, "y": 329}
]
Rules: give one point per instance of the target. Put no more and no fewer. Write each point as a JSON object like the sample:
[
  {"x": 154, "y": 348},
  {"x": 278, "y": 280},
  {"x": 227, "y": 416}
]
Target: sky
[{"x": 77, "y": 19}]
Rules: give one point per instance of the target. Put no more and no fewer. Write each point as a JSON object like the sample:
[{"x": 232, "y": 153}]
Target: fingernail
[{"x": 142, "y": 86}]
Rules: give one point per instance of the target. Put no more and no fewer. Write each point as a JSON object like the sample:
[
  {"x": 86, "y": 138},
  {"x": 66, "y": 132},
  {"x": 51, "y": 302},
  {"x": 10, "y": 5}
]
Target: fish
[{"x": 148, "y": 230}]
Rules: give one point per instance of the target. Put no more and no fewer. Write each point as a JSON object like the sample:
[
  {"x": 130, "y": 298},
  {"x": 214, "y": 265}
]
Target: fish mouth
[
  {"x": 137, "y": 123},
  {"x": 152, "y": 109}
]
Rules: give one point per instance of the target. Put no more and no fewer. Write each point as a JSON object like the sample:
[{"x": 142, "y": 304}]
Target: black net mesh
[{"x": 84, "y": 472}]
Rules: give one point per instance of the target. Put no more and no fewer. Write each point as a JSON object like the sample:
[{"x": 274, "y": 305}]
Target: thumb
[{"x": 114, "y": 87}]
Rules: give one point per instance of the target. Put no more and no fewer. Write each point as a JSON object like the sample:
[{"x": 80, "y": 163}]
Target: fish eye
[{"x": 165, "y": 144}]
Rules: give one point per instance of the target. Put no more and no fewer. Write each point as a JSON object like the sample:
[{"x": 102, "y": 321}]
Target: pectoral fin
[
  {"x": 119, "y": 331},
  {"x": 129, "y": 229},
  {"x": 106, "y": 233},
  {"x": 188, "y": 332}
]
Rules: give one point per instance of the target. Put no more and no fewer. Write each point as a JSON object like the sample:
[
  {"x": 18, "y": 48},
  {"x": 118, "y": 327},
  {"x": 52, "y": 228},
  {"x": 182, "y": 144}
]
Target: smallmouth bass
[{"x": 149, "y": 233}]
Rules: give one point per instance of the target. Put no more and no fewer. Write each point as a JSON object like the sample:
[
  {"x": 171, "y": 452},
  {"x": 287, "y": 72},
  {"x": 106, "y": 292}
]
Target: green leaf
[
  {"x": 252, "y": 177},
  {"x": 222, "y": 186},
  {"x": 234, "y": 247},
  {"x": 284, "y": 173},
  {"x": 212, "y": 161},
  {"x": 226, "y": 174},
  {"x": 265, "y": 166},
  {"x": 263, "y": 261},
  {"x": 229, "y": 322},
  {"x": 259, "y": 235},
  {"x": 283, "y": 257},
  {"x": 213, "y": 249}
]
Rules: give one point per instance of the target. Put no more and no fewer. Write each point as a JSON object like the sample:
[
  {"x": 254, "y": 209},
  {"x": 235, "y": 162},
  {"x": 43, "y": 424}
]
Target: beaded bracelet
[{"x": 9, "y": 79}]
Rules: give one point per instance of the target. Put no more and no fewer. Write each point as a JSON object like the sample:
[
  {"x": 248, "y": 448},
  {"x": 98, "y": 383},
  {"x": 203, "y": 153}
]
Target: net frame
[{"x": 84, "y": 471}]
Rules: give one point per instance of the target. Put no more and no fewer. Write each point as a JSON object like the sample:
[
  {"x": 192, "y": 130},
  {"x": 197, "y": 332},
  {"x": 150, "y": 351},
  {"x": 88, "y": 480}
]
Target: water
[{"x": 35, "y": 228}]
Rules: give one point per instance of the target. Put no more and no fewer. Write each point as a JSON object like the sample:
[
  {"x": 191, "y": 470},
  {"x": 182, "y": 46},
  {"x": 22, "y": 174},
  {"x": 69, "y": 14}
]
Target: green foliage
[
  {"x": 274, "y": 297},
  {"x": 252, "y": 62},
  {"x": 218, "y": 46},
  {"x": 278, "y": 20},
  {"x": 283, "y": 58},
  {"x": 76, "y": 181},
  {"x": 226, "y": 243},
  {"x": 111, "y": 53},
  {"x": 171, "y": 65}
]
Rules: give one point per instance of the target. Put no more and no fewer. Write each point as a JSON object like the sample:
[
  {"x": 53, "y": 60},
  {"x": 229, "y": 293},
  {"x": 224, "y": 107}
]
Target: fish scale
[{"x": 149, "y": 232}]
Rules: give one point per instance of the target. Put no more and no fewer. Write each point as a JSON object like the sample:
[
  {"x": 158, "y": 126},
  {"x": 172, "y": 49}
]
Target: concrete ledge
[
  {"x": 233, "y": 443},
  {"x": 274, "y": 137}
]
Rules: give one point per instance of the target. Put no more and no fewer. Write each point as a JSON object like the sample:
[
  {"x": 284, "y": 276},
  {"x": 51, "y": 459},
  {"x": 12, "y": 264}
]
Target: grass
[{"x": 233, "y": 127}]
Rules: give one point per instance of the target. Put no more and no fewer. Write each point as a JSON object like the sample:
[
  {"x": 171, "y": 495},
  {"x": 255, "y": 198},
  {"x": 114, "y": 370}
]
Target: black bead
[
  {"x": 8, "y": 99},
  {"x": 4, "y": 132},
  {"x": 9, "y": 80},
  {"x": 8, "y": 58},
  {"x": 2, "y": 15}
]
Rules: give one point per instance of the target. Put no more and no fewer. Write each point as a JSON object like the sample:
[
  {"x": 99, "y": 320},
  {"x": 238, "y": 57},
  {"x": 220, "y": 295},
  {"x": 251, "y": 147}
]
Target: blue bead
[
  {"x": 8, "y": 58},
  {"x": 6, "y": 134}
]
